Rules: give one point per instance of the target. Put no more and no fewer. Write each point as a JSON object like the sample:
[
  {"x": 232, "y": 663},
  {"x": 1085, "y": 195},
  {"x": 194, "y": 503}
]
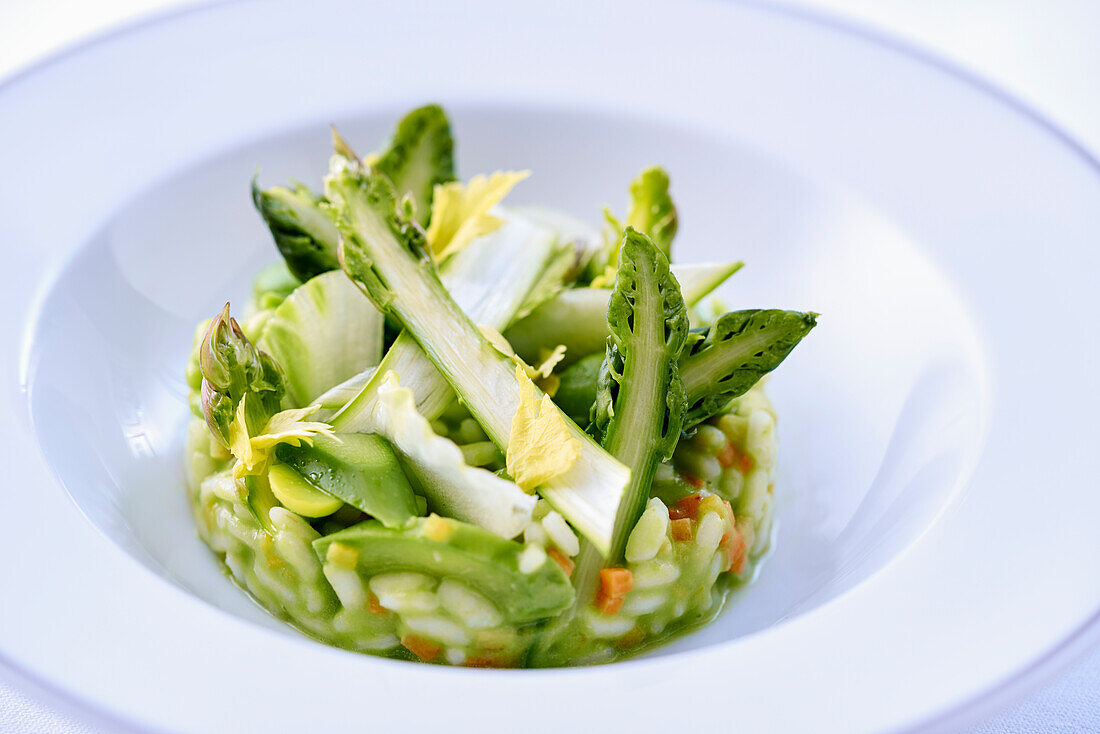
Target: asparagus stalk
[
  {"x": 304, "y": 234},
  {"x": 651, "y": 213},
  {"x": 387, "y": 258},
  {"x": 577, "y": 317},
  {"x": 715, "y": 373},
  {"x": 489, "y": 280},
  {"x": 233, "y": 370},
  {"x": 419, "y": 155},
  {"x": 727, "y": 359},
  {"x": 652, "y": 210},
  {"x": 640, "y": 399}
]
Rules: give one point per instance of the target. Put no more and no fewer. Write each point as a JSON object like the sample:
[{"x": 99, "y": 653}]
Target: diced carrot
[
  {"x": 728, "y": 456},
  {"x": 734, "y": 545},
  {"x": 745, "y": 464},
  {"x": 693, "y": 480},
  {"x": 631, "y": 638},
  {"x": 616, "y": 581},
  {"x": 681, "y": 529},
  {"x": 374, "y": 607},
  {"x": 732, "y": 455},
  {"x": 426, "y": 650},
  {"x": 727, "y": 514},
  {"x": 487, "y": 661},
  {"x": 608, "y": 604},
  {"x": 686, "y": 507},
  {"x": 562, "y": 560}
]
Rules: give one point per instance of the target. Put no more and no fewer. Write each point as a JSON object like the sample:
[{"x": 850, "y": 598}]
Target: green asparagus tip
[
  {"x": 341, "y": 147},
  {"x": 217, "y": 344}
]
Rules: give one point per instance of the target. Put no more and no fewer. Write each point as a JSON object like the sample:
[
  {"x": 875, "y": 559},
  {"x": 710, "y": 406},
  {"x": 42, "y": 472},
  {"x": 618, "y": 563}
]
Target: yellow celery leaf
[
  {"x": 549, "y": 384},
  {"x": 501, "y": 344},
  {"x": 240, "y": 444},
  {"x": 549, "y": 358},
  {"x": 460, "y": 213},
  {"x": 288, "y": 426},
  {"x": 606, "y": 279},
  {"x": 540, "y": 446}
]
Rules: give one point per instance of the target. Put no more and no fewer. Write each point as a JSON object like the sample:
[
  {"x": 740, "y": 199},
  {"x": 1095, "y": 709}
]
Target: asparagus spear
[
  {"x": 489, "y": 280},
  {"x": 731, "y": 356},
  {"x": 387, "y": 258},
  {"x": 233, "y": 370},
  {"x": 715, "y": 378},
  {"x": 304, "y": 234},
  {"x": 652, "y": 210},
  {"x": 651, "y": 213},
  {"x": 419, "y": 155},
  {"x": 640, "y": 400},
  {"x": 577, "y": 317}
]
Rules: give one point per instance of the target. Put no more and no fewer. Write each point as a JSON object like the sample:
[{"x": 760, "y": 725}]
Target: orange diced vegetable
[
  {"x": 374, "y": 607},
  {"x": 681, "y": 529},
  {"x": 608, "y": 604},
  {"x": 728, "y": 456},
  {"x": 616, "y": 581},
  {"x": 745, "y": 464},
  {"x": 562, "y": 560},
  {"x": 426, "y": 650},
  {"x": 693, "y": 480},
  {"x": 734, "y": 545},
  {"x": 487, "y": 661},
  {"x": 686, "y": 507},
  {"x": 733, "y": 456}
]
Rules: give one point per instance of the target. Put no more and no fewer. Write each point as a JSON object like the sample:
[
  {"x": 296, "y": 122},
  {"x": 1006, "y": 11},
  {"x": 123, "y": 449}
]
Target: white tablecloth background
[{"x": 1043, "y": 52}]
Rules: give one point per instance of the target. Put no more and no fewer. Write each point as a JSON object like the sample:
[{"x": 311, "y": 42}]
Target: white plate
[{"x": 937, "y": 506}]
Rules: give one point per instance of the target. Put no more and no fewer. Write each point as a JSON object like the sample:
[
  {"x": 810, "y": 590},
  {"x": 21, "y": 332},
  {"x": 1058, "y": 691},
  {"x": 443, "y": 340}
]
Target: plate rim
[{"x": 1058, "y": 658}]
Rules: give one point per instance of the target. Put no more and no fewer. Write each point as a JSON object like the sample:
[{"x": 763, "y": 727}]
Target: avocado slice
[
  {"x": 358, "y": 468},
  {"x": 446, "y": 548}
]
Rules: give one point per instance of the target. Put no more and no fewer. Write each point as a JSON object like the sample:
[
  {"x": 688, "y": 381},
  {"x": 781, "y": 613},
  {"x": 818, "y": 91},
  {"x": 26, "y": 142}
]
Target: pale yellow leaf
[
  {"x": 460, "y": 213},
  {"x": 289, "y": 426},
  {"x": 540, "y": 445},
  {"x": 548, "y": 358}
]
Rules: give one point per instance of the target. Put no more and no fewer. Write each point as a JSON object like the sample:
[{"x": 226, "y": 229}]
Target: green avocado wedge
[
  {"x": 358, "y": 468},
  {"x": 450, "y": 549}
]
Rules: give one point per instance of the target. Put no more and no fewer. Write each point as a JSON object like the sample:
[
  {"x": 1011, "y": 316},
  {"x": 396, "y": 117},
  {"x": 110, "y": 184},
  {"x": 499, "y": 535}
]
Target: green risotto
[{"x": 457, "y": 432}]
